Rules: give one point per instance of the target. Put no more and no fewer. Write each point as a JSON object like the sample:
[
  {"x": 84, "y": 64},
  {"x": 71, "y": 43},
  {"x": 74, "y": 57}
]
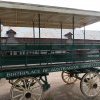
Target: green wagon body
[{"x": 18, "y": 60}]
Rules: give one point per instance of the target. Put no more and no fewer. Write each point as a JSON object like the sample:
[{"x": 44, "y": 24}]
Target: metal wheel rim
[
  {"x": 30, "y": 90},
  {"x": 67, "y": 78},
  {"x": 90, "y": 84}
]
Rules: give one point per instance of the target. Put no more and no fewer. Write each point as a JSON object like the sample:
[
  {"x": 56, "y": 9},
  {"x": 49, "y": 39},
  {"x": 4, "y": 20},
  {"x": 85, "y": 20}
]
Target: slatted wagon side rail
[{"x": 17, "y": 54}]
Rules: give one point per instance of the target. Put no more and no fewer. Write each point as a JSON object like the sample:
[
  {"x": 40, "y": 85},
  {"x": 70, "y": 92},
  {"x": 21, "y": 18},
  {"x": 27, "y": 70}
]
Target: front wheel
[
  {"x": 90, "y": 84},
  {"x": 68, "y": 78},
  {"x": 26, "y": 89}
]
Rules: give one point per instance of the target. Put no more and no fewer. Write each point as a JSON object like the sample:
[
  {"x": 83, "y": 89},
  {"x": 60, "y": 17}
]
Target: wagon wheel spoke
[
  {"x": 34, "y": 88},
  {"x": 90, "y": 84},
  {"x": 17, "y": 89},
  {"x": 18, "y": 86},
  {"x": 69, "y": 80},
  {"x": 66, "y": 74},
  {"x": 24, "y": 83},
  {"x": 68, "y": 77},
  {"x": 36, "y": 94},
  {"x": 33, "y": 98},
  {"x": 73, "y": 79},
  {"x": 27, "y": 89},
  {"x": 90, "y": 76},
  {"x": 21, "y": 98},
  {"x": 96, "y": 79},
  {"x": 19, "y": 95},
  {"x": 89, "y": 91},
  {"x": 28, "y": 85},
  {"x": 18, "y": 92}
]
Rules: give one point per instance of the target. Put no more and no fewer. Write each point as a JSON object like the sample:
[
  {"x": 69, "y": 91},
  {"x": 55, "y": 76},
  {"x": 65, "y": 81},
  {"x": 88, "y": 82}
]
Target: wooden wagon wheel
[
  {"x": 12, "y": 81},
  {"x": 90, "y": 84},
  {"x": 68, "y": 78},
  {"x": 26, "y": 89}
]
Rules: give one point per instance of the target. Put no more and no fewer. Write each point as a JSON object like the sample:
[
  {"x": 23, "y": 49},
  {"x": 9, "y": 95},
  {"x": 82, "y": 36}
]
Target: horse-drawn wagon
[{"x": 26, "y": 65}]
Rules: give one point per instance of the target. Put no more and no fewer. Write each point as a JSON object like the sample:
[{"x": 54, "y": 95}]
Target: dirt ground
[{"x": 58, "y": 91}]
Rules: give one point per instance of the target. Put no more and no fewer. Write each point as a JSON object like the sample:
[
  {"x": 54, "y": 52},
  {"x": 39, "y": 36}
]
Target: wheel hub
[
  {"x": 92, "y": 85},
  {"x": 28, "y": 95},
  {"x": 71, "y": 75},
  {"x": 95, "y": 86}
]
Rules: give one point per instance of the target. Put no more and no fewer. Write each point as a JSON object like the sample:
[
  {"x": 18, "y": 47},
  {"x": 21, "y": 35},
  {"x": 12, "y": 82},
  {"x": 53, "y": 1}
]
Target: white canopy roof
[{"x": 23, "y": 15}]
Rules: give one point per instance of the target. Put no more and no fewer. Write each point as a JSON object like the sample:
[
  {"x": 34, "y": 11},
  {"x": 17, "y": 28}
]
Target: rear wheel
[
  {"x": 26, "y": 89},
  {"x": 90, "y": 84},
  {"x": 68, "y": 78}
]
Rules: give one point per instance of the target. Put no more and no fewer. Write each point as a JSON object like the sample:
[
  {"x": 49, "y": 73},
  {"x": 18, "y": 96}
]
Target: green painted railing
[
  {"x": 18, "y": 47},
  {"x": 16, "y": 54}
]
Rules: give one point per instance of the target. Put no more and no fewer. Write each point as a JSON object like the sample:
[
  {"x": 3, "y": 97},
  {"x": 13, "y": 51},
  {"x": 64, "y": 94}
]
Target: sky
[{"x": 78, "y": 4}]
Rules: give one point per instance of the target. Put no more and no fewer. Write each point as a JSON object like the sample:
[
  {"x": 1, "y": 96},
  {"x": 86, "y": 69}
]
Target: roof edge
[{"x": 45, "y": 8}]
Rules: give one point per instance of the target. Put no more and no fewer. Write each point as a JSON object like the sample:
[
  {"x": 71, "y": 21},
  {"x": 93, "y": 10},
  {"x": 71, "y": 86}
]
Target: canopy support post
[
  {"x": 39, "y": 27},
  {"x": 39, "y": 33},
  {"x": 0, "y": 32},
  {"x": 33, "y": 33},
  {"x": 73, "y": 19},
  {"x": 61, "y": 33},
  {"x": 84, "y": 34},
  {"x": 0, "y": 46}
]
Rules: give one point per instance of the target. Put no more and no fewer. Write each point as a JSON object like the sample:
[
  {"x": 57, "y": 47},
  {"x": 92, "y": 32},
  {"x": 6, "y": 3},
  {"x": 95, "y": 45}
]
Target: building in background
[{"x": 12, "y": 39}]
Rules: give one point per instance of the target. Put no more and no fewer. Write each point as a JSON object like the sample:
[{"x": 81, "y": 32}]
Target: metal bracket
[{"x": 45, "y": 83}]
